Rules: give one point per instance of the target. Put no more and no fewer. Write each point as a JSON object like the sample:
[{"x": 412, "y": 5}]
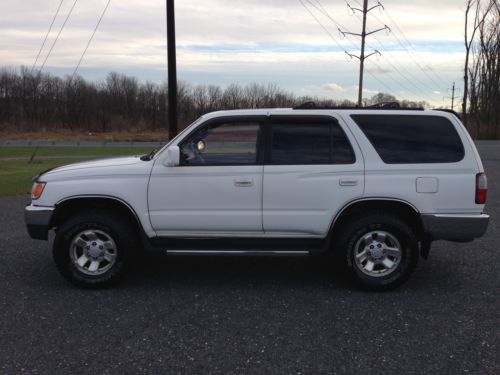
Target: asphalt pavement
[{"x": 252, "y": 315}]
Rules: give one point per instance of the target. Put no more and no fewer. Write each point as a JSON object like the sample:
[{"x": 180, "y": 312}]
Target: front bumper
[
  {"x": 455, "y": 227},
  {"x": 38, "y": 221}
]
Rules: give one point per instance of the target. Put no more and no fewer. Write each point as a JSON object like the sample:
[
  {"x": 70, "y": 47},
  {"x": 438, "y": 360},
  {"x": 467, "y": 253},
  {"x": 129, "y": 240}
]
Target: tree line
[
  {"x": 481, "y": 96},
  {"x": 35, "y": 101}
]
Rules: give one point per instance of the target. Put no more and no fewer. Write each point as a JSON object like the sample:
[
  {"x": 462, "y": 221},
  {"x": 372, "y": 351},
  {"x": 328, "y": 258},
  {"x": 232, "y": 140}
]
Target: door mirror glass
[
  {"x": 201, "y": 146},
  {"x": 173, "y": 156}
]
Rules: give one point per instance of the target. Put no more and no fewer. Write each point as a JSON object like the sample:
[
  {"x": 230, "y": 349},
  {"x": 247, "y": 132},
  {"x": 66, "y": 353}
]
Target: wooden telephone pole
[{"x": 172, "y": 71}]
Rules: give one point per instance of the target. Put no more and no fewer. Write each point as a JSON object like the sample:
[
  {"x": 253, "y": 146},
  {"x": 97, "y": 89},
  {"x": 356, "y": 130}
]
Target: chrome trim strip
[{"x": 239, "y": 252}]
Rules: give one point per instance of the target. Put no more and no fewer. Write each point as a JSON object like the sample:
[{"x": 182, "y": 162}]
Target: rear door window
[
  {"x": 406, "y": 139},
  {"x": 309, "y": 141}
]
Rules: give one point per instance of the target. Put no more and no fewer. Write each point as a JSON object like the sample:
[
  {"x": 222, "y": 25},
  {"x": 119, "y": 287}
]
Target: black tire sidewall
[
  {"x": 392, "y": 225},
  {"x": 112, "y": 225}
]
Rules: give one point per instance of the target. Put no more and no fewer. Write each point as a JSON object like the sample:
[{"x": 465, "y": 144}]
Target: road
[{"x": 252, "y": 316}]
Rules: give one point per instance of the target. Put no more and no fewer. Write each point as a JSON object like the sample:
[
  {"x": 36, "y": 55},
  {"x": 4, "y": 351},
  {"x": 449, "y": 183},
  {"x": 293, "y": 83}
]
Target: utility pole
[
  {"x": 172, "y": 71},
  {"x": 452, "y": 97},
  {"x": 362, "y": 57}
]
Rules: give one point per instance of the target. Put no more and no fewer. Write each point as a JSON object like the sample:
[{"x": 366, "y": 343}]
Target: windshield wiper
[{"x": 150, "y": 155}]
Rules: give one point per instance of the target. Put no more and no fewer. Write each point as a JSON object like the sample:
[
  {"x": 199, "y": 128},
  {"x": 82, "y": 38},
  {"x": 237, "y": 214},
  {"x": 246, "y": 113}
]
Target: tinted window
[
  {"x": 310, "y": 143},
  {"x": 402, "y": 139},
  {"x": 233, "y": 143},
  {"x": 342, "y": 152}
]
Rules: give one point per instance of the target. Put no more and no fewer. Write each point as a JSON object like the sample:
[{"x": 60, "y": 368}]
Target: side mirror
[{"x": 173, "y": 156}]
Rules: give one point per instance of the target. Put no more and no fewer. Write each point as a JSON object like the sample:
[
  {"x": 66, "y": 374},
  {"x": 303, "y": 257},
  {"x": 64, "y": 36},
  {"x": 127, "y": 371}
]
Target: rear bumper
[
  {"x": 38, "y": 221},
  {"x": 455, "y": 227}
]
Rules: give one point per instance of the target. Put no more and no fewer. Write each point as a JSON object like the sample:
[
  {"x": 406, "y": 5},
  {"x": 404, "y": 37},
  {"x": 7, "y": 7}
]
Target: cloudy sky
[{"x": 293, "y": 43}]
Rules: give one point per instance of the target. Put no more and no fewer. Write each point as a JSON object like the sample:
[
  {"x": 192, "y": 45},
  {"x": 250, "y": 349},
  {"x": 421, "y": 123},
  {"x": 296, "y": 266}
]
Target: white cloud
[
  {"x": 332, "y": 87},
  {"x": 245, "y": 40}
]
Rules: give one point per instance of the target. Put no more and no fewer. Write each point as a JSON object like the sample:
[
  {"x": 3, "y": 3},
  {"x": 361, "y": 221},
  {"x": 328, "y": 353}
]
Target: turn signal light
[
  {"x": 481, "y": 188},
  {"x": 37, "y": 190}
]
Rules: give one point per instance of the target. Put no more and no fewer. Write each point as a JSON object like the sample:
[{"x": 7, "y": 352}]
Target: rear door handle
[
  {"x": 243, "y": 182},
  {"x": 348, "y": 182}
]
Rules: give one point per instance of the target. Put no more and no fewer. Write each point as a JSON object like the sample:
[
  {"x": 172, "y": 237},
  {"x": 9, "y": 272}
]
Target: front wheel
[
  {"x": 93, "y": 249},
  {"x": 379, "y": 251}
]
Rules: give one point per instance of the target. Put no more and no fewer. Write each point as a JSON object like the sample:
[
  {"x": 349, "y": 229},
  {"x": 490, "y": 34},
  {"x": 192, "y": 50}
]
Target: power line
[
  {"x": 320, "y": 24},
  {"x": 424, "y": 69},
  {"x": 91, "y": 37},
  {"x": 425, "y": 97},
  {"x": 362, "y": 57},
  {"x": 452, "y": 97},
  {"x": 58, "y": 34},
  {"x": 323, "y": 10},
  {"x": 47, "y": 35},
  {"x": 408, "y": 73}
]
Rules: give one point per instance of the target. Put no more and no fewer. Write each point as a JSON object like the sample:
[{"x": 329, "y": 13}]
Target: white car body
[{"x": 269, "y": 200}]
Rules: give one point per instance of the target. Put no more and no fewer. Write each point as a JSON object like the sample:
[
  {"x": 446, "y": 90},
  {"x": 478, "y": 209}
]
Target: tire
[
  {"x": 93, "y": 249},
  {"x": 378, "y": 251}
]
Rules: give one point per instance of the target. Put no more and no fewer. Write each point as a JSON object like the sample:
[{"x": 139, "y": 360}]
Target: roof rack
[
  {"x": 449, "y": 111},
  {"x": 384, "y": 105}
]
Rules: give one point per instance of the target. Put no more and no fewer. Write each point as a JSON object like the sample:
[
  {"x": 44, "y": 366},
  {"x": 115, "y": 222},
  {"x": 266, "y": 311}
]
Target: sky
[{"x": 295, "y": 44}]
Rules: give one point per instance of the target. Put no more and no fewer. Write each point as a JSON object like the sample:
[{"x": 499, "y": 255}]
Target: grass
[
  {"x": 81, "y": 135},
  {"x": 10, "y": 152},
  {"x": 16, "y": 175}
]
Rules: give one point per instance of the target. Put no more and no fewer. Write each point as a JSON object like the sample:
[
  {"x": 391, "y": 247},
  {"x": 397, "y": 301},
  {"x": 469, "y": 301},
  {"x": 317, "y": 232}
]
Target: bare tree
[
  {"x": 474, "y": 7},
  {"x": 483, "y": 84}
]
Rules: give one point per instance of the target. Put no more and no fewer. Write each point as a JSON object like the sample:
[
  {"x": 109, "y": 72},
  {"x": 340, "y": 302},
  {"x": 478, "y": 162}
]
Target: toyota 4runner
[{"x": 371, "y": 187}]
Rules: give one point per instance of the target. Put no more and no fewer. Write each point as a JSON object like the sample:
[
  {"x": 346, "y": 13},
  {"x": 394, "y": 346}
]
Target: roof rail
[
  {"x": 448, "y": 111},
  {"x": 385, "y": 105}
]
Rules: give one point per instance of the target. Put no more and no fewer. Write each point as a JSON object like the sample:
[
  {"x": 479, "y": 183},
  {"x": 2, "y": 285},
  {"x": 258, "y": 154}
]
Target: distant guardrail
[{"x": 80, "y": 144}]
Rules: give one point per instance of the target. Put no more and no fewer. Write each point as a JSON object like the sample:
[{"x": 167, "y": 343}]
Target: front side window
[
  {"x": 310, "y": 142},
  {"x": 228, "y": 143}
]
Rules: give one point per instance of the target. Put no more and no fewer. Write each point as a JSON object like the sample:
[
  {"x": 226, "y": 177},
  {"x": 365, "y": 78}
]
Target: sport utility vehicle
[{"x": 371, "y": 187}]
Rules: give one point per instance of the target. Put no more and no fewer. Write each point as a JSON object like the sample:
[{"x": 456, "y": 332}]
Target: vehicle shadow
[{"x": 241, "y": 271}]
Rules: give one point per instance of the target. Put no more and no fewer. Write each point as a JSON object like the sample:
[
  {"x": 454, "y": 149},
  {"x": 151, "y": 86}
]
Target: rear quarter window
[{"x": 408, "y": 139}]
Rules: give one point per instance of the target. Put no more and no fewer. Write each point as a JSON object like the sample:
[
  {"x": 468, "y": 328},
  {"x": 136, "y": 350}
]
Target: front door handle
[
  {"x": 348, "y": 182},
  {"x": 243, "y": 182}
]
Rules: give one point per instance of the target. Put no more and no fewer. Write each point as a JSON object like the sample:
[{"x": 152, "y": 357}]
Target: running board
[{"x": 287, "y": 253}]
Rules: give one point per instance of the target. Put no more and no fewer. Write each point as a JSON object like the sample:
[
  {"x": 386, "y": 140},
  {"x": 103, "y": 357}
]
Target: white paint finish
[
  {"x": 305, "y": 198},
  {"x": 206, "y": 198},
  {"x": 427, "y": 185},
  {"x": 298, "y": 201},
  {"x": 125, "y": 179},
  {"x": 456, "y": 180}
]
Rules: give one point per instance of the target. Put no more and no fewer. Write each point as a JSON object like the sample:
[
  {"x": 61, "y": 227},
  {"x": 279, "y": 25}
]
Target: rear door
[{"x": 312, "y": 169}]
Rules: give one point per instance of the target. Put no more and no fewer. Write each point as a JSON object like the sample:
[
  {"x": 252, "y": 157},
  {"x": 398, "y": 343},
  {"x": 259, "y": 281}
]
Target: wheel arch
[
  {"x": 68, "y": 206},
  {"x": 397, "y": 207}
]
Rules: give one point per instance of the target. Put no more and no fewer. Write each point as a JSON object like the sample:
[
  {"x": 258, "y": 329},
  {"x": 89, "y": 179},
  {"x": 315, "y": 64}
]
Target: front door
[{"x": 217, "y": 188}]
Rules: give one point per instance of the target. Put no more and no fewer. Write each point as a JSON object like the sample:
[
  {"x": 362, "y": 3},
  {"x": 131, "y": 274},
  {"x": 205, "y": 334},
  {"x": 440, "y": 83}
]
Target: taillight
[{"x": 481, "y": 188}]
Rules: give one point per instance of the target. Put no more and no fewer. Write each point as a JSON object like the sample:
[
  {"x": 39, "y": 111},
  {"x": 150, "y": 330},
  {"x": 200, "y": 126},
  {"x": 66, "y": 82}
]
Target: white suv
[{"x": 372, "y": 187}]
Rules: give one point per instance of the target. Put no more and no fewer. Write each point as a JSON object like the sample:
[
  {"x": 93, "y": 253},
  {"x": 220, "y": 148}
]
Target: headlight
[{"x": 37, "y": 189}]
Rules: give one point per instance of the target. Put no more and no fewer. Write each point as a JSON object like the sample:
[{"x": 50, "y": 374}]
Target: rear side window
[
  {"x": 406, "y": 139},
  {"x": 309, "y": 142}
]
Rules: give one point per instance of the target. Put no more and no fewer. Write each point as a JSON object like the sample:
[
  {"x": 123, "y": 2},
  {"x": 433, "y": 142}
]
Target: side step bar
[{"x": 287, "y": 253}]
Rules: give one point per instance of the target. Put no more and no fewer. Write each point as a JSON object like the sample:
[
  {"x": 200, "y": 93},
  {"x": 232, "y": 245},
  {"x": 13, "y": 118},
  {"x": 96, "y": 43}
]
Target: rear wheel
[
  {"x": 94, "y": 248},
  {"x": 379, "y": 251}
]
